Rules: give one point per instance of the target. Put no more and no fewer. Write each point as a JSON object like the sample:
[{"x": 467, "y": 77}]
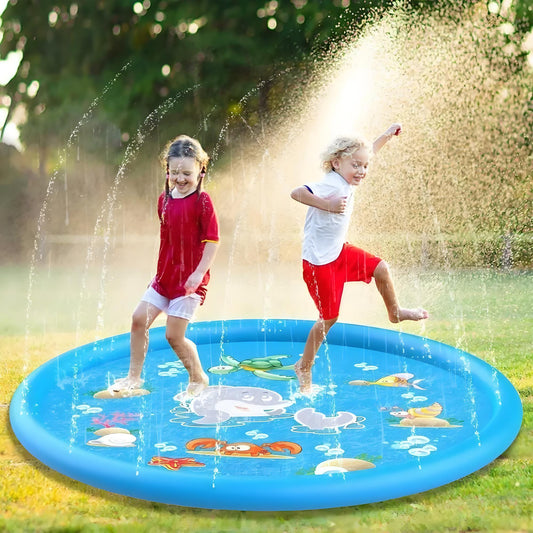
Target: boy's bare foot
[
  {"x": 303, "y": 373},
  {"x": 408, "y": 314},
  {"x": 125, "y": 384},
  {"x": 196, "y": 387}
]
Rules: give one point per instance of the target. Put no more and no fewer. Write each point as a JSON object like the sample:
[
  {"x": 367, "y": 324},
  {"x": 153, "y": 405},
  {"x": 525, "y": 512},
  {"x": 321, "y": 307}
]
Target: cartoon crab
[
  {"x": 243, "y": 449},
  {"x": 260, "y": 366}
]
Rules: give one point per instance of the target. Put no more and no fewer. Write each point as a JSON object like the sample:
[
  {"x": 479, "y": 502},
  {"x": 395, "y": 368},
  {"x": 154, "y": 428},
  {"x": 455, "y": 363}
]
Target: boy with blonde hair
[{"x": 328, "y": 261}]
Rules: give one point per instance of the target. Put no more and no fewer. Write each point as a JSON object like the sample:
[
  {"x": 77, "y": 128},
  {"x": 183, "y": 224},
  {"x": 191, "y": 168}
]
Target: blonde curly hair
[{"x": 342, "y": 147}]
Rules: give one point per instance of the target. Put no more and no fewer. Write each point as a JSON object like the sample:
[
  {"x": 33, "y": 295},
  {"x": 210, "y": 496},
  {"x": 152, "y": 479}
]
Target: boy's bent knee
[{"x": 326, "y": 324}]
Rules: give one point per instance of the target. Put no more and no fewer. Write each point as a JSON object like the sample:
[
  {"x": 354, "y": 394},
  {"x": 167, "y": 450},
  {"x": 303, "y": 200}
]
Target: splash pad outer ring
[{"x": 267, "y": 493}]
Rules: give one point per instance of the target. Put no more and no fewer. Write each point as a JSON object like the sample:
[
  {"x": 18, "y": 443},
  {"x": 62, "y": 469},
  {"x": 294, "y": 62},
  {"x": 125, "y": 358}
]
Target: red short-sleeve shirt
[{"x": 186, "y": 225}]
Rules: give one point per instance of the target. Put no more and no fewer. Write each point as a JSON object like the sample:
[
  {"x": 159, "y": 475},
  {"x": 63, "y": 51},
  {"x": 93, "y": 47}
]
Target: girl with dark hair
[{"x": 188, "y": 245}]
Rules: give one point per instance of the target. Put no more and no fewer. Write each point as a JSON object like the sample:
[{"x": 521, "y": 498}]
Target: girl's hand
[{"x": 192, "y": 283}]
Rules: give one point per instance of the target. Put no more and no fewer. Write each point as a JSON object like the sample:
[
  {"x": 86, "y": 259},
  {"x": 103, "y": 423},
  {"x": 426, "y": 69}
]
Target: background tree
[
  {"x": 153, "y": 50},
  {"x": 111, "y": 65}
]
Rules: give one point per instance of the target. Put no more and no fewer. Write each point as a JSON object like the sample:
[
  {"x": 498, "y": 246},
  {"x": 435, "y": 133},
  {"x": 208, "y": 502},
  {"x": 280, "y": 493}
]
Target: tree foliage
[
  {"x": 111, "y": 65},
  {"x": 152, "y": 50}
]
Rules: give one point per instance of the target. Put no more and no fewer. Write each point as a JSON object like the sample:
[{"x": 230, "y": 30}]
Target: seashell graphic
[
  {"x": 342, "y": 465},
  {"x": 114, "y": 440}
]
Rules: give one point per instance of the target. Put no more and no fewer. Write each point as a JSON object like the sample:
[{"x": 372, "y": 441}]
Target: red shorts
[{"x": 326, "y": 282}]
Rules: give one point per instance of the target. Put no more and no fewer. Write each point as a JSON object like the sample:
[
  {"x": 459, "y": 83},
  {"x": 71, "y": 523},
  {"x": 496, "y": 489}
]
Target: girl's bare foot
[
  {"x": 408, "y": 314},
  {"x": 196, "y": 387},
  {"x": 125, "y": 384},
  {"x": 303, "y": 373}
]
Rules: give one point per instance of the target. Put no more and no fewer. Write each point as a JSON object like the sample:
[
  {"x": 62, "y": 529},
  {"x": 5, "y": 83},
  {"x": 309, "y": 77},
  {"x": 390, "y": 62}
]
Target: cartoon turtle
[
  {"x": 394, "y": 380},
  {"x": 260, "y": 366}
]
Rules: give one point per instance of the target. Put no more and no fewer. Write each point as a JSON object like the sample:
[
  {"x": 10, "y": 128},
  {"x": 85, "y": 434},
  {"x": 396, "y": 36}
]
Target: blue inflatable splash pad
[{"x": 391, "y": 414}]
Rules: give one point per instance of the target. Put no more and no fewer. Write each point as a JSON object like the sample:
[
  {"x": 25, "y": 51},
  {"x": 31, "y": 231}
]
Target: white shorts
[{"x": 181, "y": 307}]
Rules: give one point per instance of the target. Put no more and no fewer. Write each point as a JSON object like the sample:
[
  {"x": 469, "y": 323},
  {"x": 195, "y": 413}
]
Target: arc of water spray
[
  {"x": 242, "y": 102},
  {"x": 214, "y": 157},
  {"x": 44, "y": 206},
  {"x": 244, "y": 99},
  {"x": 149, "y": 123},
  {"x": 106, "y": 212}
]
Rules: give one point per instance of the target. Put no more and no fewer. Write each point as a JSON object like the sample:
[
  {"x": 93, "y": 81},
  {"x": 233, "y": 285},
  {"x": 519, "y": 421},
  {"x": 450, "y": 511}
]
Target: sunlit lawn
[{"x": 486, "y": 313}]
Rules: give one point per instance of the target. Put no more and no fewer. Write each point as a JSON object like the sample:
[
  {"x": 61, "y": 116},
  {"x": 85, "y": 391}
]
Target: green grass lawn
[{"x": 486, "y": 313}]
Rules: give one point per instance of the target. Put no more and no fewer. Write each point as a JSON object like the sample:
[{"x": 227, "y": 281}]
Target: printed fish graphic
[{"x": 394, "y": 380}]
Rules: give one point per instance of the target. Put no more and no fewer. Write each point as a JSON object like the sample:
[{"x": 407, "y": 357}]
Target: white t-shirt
[{"x": 324, "y": 232}]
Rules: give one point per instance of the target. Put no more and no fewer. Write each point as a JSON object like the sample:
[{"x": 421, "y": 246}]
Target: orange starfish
[{"x": 171, "y": 463}]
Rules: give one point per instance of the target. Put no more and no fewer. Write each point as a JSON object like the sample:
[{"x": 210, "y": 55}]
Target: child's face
[
  {"x": 353, "y": 167},
  {"x": 183, "y": 175}
]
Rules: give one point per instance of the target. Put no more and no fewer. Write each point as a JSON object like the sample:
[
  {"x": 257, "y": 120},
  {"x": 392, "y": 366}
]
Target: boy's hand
[
  {"x": 337, "y": 204},
  {"x": 382, "y": 140},
  {"x": 394, "y": 129}
]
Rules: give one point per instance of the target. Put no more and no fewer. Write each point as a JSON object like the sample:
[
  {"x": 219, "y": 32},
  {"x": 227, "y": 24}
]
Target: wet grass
[{"x": 484, "y": 312}]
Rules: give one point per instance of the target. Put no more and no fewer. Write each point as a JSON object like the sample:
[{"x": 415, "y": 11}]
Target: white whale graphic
[{"x": 218, "y": 404}]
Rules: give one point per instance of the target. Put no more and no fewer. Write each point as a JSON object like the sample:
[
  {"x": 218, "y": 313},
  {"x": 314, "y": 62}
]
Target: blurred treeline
[{"x": 98, "y": 74}]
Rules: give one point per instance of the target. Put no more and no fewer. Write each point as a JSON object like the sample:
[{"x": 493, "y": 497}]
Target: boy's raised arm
[{"x": 384, "y": 138}]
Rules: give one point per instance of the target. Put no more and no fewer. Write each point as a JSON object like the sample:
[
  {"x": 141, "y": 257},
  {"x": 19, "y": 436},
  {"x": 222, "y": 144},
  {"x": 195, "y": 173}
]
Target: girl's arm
[
  {"x": 335, "y": 204},
  {"x": 208, "y": 256},
  {"x": 382, "y": 140}
]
